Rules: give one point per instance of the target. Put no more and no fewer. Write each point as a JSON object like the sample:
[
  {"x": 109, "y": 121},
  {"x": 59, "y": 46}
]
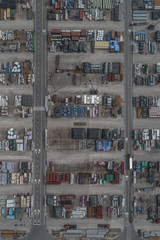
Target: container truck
[{"x": 130, "y": 162}]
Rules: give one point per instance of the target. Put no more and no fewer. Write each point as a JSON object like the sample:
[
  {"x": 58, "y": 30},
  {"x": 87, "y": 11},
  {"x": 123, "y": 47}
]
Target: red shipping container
[
  {"x": 113, "y": 77},
  {"x": 75, "y": 38},
  {"x": 56, "y": 31},
  {"x": 47, "y": 177},
  {"x": 54, "y": 98},
  {"x": 83, "y": 33},
  {"x": 76, "y": 34},
  {"x": 54, "y": 176},
  {"x": 50, "y": 177},
  {"x": 57, "y": 183},
  {"x": 54, "y": 10},
  {"x": 66, "y": 34},
  {"x": 121, "y": 77},
  {"x": 67, "y": 177},
  {"x": 115, "y": 182},
  {"x": 56, "y": 5},
  {"x": 81, "y": 13},
  {"x": 57, "y": 177},
  {"x": 68, "y": 206},
  {"x": 122, "y": 168},
  {"x": 64, "y": 14},
  {"x": 116, "y": 176},
  {"x": 63, "y": 177},
  {"x": 112, "y": 35}
]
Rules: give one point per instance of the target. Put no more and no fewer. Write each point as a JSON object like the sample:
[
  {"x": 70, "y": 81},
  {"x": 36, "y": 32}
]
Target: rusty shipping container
[
  {"x": 75, "y": 38},
  {"x": 81, "y": 13},
  {"x": 138, "y": 112},
  {"x": 89, "y": 212},
  {"x": 56, "y": 31},
  {"x": 118, "y": 101}
]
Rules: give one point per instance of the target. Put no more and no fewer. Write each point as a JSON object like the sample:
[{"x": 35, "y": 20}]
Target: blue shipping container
[
  {"x": 10, "y": 217},
  {"x": 53, "y": 2}
]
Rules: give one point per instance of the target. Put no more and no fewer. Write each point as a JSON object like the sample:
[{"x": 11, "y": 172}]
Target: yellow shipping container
[
  {"x": 8, "y": 12},
  {"x": 101, "y": 45}
]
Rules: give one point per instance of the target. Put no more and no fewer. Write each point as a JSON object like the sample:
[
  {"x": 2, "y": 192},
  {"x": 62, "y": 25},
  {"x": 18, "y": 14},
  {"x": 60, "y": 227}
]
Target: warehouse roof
[
  {"x": 94, "y": 133},
  {"x": 78, "y": 133}
]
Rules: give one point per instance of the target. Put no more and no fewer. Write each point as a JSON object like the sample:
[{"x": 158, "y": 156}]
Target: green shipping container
[
  {"x": 145, "y": 164},
  {"x": 12, "y": 14},
  {"x": 104, "y": 181},
  {"x": 120, "y": 178},
  {"x": 142, "y": 169},
  {"x": 122, "y": 112},
  {"x": 111, "y": 177}
]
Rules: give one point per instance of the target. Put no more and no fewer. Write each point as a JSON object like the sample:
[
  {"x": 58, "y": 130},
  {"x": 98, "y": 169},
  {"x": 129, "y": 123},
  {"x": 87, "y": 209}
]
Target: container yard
[
  {"x": 69, "y": 41},
  {"x": 146, "y": 107},
  {"x": 71, "y": 10},
  {"x": 104, "y": 173},
  {"x": 146, "y": 75},
  {"x": 15, "y": 207},
  {"x": 15, "y": 173},
  {"x": 16, "y": 140},
  {"x": 16, "y": 73},
  {"x": 17, "y": 40},
  {"x": 85, "y": 106},
  {"x": 146, "y": 139},
  {"x": 12, "y": 10},
  {"x": 90, "y": 206}
]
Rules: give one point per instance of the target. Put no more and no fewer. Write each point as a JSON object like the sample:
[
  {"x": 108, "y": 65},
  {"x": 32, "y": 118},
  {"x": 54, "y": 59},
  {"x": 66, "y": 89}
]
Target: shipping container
[
  {"x": 8, "y": 13},
  {"x": 138, "y": 112},
  {"x": 118, "y": 101},
  {"x": 89, "y": 212},
  {"x": 130, "y": 162},
  {"x": 81, "y": 13}
]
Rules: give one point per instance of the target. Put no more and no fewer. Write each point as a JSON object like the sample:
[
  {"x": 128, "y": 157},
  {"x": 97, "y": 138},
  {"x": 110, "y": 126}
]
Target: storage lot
[
  {"x": 145, "y": 83},
  {"x": 67, "y": 82}
]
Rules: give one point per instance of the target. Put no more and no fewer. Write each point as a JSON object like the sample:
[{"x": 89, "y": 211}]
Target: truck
[
  {"x": 134, "y": 177},
  {"x": 130, "y": 162},
  {"x": 45, "y": 139}
]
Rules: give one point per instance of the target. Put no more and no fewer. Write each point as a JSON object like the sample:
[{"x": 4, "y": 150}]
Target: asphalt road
[
  {"x": 38, "y": 230},
  {"x": 39, "y": 112},
  {"x": 128, "y": 232}
]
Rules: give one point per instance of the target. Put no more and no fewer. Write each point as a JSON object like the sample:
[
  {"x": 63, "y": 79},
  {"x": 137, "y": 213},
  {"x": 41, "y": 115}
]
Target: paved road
[
  {"x": 129, "y": 232},
  {"x": 38, "y": 230},
  {"x": 39, "y": 112}
]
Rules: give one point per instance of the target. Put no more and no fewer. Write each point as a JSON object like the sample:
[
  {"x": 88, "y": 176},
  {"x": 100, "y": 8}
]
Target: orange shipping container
[
  {"x": 118, "y": 101},
  {"x": 121, "y": 70},
  {"x": 138, "y": 112},
  {"x": 89, "y": 212},
  {"x": 1, "y": 14}
]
